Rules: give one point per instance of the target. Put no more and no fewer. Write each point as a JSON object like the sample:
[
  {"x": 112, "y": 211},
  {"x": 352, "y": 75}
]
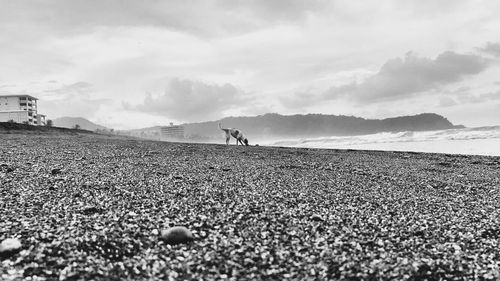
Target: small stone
[
  {"x": 316, "y": 217},
  {"x": 90, "y": 210},
  {"x": 176, "y": 235},
  {"x": 55, "y": 171},
  {"x": 10, "y": 246},
  {"x": 7, "y": 168}
]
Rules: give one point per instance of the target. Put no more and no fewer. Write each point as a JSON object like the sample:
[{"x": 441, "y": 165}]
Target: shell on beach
[
  {"x": 10, "y": 245},
  {"x": 176, "y": 235}
]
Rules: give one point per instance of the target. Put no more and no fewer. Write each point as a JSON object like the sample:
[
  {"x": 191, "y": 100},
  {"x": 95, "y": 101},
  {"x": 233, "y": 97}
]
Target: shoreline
[
  {"x": 480, "y": 147},
  {"x": 470, "y": 145}
]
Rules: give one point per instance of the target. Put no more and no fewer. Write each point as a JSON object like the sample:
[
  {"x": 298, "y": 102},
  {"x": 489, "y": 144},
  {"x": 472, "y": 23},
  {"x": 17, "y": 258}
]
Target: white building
[
  {"x": 172, "y": 132},
  {"x": 20, "y": 109}
]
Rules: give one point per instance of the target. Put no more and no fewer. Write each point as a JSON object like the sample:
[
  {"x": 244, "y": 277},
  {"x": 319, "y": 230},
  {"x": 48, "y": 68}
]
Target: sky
[{"x": 134, "y": 64}]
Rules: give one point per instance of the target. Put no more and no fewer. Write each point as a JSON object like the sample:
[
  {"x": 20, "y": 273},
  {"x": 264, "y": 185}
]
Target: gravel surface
[{"x": 94, "y": 208}]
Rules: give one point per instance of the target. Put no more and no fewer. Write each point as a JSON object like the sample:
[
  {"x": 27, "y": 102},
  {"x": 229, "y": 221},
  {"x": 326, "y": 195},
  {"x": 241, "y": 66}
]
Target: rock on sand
[
  {"x": 176, "y": 235},
  {"x": 9, "y": 246}
]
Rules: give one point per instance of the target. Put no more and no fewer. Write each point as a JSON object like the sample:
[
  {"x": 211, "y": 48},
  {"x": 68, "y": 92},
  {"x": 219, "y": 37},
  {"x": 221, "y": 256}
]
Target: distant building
[
  {"x": 172, "y": 132},
  {"x": 20, "y": 109}
]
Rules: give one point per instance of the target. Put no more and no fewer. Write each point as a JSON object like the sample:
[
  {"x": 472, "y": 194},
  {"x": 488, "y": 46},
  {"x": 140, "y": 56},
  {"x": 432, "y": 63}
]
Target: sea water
[{"x": 472, "y": 141}]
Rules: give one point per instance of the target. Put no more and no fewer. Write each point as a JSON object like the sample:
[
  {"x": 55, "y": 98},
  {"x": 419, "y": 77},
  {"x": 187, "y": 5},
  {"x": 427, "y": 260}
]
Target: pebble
[
  {"x": 7, "y": 168},
  {"x": 10, "y": 246},
  {"x": 89, "y": 210},
  {"x": 55, "y": 171},
  {"x": 316, "y": 217},
  {"x": 176, "y": 235}
]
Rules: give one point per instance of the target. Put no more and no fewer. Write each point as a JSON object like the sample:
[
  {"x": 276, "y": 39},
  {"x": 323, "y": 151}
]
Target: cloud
[
  {"x": 447, "y": 102},
  {"x": 301, "y": 99},
  {"x": 469, "y": 98},
  {"x": 276, "y": 10},
  {"x": 189, "y": 100},
  {"x": 484, "y": 97},
  {"x": 400, "y": 78},
  {"x": 77, "y": 88},
  {"x": 198, "y": 17},
  {"x": 268, "y": 48},
  {"x": 491, "y": 49},
  {"x": 70, "y": 100}
]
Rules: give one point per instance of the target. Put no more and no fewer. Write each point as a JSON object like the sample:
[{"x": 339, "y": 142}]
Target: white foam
[{"x": 479, "y": 141}]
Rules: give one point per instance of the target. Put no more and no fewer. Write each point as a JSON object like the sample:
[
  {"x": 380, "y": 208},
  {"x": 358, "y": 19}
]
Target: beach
[{"x": 91, "y": 207}]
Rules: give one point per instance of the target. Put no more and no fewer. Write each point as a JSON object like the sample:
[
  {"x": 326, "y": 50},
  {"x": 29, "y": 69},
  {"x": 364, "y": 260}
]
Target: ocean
[{"x": 470, "y": 141}]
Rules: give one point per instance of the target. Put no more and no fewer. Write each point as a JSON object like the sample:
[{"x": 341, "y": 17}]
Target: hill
[
  {"x": 318, "y": 125},
  {"x": 7, "y": 127},
  {"x": 70, "y": 122}
]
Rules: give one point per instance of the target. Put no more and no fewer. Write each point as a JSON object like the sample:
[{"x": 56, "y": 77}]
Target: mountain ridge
[
  {"x": 70, "y": 122},
  {"x": 319, "y": 125},
  {"x": 274, "y": 125}
]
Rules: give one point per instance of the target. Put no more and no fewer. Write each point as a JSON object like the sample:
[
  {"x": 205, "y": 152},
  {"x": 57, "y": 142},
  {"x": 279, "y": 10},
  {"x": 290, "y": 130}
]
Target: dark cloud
[
  {"x": 403, "y": 77},
  {"x": 491, "y": 49},
  {"x": 189, "y": 100}
]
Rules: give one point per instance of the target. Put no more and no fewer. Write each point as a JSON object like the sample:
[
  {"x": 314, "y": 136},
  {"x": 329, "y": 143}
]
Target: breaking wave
[{"x": 481, "y": 141}]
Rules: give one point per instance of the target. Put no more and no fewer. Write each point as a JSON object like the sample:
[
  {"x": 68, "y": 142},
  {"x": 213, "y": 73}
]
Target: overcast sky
[{"x": 132, "y": 64}]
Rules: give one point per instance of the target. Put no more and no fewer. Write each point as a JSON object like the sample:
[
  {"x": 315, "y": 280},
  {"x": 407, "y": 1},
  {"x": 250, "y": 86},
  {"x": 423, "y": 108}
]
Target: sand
[{"x": 93, "y": 207}]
